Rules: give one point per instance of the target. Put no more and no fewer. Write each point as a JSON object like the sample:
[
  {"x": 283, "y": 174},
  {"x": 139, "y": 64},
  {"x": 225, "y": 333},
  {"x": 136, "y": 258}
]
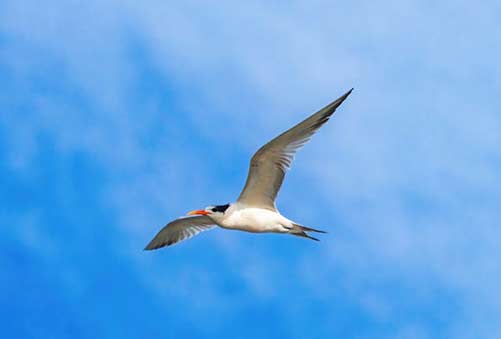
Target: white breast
[{"x": 254, "y": 220}]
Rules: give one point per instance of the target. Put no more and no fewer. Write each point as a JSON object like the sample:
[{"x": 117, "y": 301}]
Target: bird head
[{"x": 215, "y": 212}]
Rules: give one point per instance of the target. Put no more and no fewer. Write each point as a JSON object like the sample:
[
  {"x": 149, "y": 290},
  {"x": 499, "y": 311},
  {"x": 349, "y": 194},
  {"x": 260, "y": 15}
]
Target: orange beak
[{"x": 198, "y": 212}]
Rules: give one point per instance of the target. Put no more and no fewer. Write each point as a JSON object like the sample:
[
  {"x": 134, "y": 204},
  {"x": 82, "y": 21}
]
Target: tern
[{"x": 255, "y": 210}]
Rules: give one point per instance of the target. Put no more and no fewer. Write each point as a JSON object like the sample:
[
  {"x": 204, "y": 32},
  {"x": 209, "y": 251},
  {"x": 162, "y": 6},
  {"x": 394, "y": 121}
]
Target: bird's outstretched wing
[
  {"x": 269, "y": 164},
  {"x": 179, "y": 230}
]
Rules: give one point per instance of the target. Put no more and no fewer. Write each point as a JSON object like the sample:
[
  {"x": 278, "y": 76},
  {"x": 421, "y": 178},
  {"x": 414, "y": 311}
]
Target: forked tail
[{"x": 300, "y": 231}]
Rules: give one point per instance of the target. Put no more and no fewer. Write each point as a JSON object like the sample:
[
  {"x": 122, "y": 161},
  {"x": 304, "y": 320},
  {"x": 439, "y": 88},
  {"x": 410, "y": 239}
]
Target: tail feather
[
  {"x": 300, "y": 231},
  {"x": 305, "y": 235},
  {"x": 309, "y": 229}
]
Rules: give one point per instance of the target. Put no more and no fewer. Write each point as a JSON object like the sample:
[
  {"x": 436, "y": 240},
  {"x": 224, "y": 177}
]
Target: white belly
[{"x": 255, "y": 220}]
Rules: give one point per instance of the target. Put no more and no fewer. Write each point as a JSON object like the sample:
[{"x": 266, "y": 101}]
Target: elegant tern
[{"x": 255, "y": 210}]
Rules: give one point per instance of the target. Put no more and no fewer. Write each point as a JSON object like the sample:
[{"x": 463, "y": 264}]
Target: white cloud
[{"x": 410, "y": 162}]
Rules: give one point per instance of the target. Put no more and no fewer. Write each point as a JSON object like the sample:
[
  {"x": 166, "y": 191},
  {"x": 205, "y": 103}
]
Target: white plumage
[{"x": 255, "y": 210}]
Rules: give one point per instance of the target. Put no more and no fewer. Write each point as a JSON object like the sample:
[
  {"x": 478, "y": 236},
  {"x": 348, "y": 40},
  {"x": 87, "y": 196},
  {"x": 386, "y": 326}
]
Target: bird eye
[{"x": 214, "y": 210}]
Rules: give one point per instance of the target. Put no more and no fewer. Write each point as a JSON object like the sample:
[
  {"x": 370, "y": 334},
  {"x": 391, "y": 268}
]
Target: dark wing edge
[
  {"x": 179, "y": 230},
  {"x": 281, "y": 151}
]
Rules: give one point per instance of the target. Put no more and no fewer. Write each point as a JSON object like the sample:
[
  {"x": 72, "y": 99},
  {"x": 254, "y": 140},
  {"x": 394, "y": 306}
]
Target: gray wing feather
[
  {"x": 179, "y": 230},
  {"x": 269, "y": 164}
]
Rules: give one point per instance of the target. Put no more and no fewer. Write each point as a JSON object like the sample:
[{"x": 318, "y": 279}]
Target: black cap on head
[{"x": 220, "y": 208}]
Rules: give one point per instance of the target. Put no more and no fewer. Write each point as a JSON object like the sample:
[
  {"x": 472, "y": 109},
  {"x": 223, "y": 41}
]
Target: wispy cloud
[{"x": 407, "y": 171}]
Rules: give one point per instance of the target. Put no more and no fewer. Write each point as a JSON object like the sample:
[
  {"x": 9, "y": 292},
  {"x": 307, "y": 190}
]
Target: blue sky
[{"x": 118, "y": 116}]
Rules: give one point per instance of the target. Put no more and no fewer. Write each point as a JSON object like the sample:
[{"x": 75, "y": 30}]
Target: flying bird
[{"x": 255, "y": 210}]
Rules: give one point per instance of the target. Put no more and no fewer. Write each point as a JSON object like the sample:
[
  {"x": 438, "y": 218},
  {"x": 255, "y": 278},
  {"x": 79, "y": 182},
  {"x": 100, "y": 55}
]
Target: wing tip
[
  {"x": 329, "y": 110},
  {"x": 150, "y": 247},
  {"x": 344, "y": 96},
  {"x": 155, "y": 245}
]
